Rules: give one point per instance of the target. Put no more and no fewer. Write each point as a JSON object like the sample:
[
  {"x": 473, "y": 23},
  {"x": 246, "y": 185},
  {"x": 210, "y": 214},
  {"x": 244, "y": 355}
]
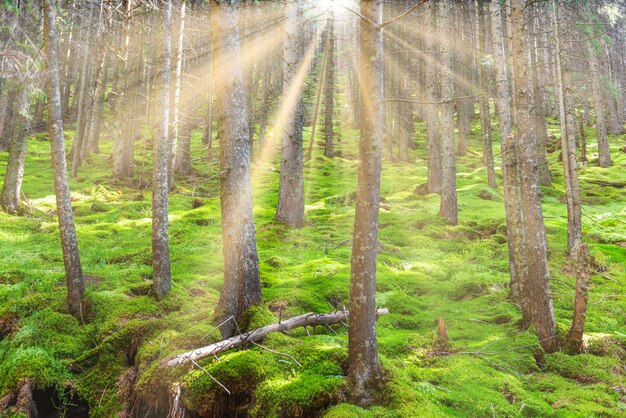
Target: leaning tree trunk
[
  {"x": 290, "y": 209},
  {"x": 448, "y": 208},
  {"x": 161, "y": 274},
  {"x": 69, "y": 244},
  {"x": 568, "y": 135},
  {"x": 12, "y": 186},
  {"x": 535, "y": 233},
  {"x": 242, "y": 283},
  {"x": 364, "y": 371}
]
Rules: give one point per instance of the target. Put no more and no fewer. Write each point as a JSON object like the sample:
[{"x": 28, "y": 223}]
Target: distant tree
[
  {"x": 242, "y": 283},
  {"x": 329, "y": 87},
  {"x": 161, "y": 274},
  {"x": 69, "y": 244},
  {"x": 364, "y": 370}
]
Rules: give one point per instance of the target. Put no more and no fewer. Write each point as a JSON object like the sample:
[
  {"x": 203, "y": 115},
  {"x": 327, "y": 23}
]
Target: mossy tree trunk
[{"x": 17, "y": 133}]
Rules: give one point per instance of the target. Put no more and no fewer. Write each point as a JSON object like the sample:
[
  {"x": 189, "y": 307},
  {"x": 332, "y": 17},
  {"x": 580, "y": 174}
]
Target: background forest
[{"x": 298, "y": 208}]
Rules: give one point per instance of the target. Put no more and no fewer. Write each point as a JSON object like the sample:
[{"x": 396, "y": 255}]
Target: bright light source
[{"x": 337, "y": 6}]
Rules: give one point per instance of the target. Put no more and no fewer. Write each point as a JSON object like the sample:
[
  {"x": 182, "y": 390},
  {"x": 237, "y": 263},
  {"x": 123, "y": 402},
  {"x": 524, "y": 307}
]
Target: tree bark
[
  {"x": 290, "y": 209},
  {"x": 329, "y": 89},
  {"x": 535, "y": 234},
  {"x": 161, "y": 272},
  {"x": 69, "y": 244},
  {"x": 364, "y": 371},
  {"x": 179, "y": 152},
  {"x": 485, "y": 117},
  {"x": 576, "y": 332},
  {"x": 242, "y": 284},
  {"x": 448, "y": 208},
  {"x": 12, "y": 186},
  {"x": 568, "y": 133},
  {"x": 604, "y": 153},
  {"x": 432, "y": 113}
]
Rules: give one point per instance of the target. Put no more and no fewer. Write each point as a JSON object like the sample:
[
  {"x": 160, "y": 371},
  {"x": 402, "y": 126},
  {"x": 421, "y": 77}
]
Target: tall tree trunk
[
  {"x": 329, "y": 88},
  {"x": 568, "y": 133},
  {"x": 182, "y": 159},
  {"x": 448, "y": 208},
  {"x": 485, "y": 117},
  {"x": 432, "y": 112},
  {"x": 604, "y": 153},
  {"x": 242, "y": 283},
  {"x": 364, "y": 371},
  {"x": 541, "y": 130},
  {"x": 510, "y": 170},
  {"x": 69, "y": 244},
  {"x": 161, "y": 274},
  {"x": 535, "y": 234},
  {"x": 12, "y": 186},
  {"x": 290, "y": 209}
]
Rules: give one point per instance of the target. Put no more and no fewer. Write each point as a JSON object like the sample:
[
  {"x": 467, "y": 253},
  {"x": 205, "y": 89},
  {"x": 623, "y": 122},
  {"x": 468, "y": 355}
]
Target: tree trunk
[
  {"x": 604, "y": 154},
  {"x": 535, "y": 234},
  {"x": 290, "y": 209},
  {"x": 510, "y": 171},
  {"x": 541, "y": 130},
  {"x": 485, "y": 117},
  {"x": 568, "y": 134},
  {"x": 448, "y": 208},
  {"x": 364, "y": 371},
  {"x": 576, "y": 332},
  {"x": 329, "y": 89},
  {"x": 182, "y": 134},
  {"x": 69, "y": 244},
  {"x": 242, "y": 284},
  {"x": 432, "y": 112},
  {"x": 161, "y": 274},
  {"x": 12, "y": 186}
]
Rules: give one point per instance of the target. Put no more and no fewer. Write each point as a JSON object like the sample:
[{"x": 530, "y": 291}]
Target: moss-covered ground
[{"x": 426, "y": 271}]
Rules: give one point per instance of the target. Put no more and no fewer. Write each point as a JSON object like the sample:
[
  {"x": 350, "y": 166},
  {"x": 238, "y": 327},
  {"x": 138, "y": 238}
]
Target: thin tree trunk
[
  {"x": 364, "y": 371},
  {"x": 242, "y": 284},
  {"x": 182, "y": 159},
  {"x": 541, "y": 130},
  {"x": 576, "y": 332},
  {"x": 69, "y": 244},
  {"x": 432, "y": 113},
  {"x": 329, "y": 89},
  {"x": 485, "y": 117},
  {"x": 604, "y": 153},
  {"x": 568, "y": 136},
  {"x": 161, "y": 274}
]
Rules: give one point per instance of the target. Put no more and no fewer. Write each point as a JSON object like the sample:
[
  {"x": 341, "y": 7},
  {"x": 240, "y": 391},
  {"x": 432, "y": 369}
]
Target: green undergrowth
[{"x": 426, "y": 271}]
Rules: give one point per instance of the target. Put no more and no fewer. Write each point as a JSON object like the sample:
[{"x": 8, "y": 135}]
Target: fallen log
[
  {"x": 617, "y": 185},
  {"x": 309, "y": 319}
]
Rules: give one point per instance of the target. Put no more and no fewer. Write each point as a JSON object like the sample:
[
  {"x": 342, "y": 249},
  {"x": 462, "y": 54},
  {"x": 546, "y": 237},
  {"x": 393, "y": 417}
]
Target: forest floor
[{"x": 426, "y": 271}]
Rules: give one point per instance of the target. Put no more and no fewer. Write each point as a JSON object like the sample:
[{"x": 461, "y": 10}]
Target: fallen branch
[
  {"x": 309, "y": 319},
  {"x": 615, "y": 184}
]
